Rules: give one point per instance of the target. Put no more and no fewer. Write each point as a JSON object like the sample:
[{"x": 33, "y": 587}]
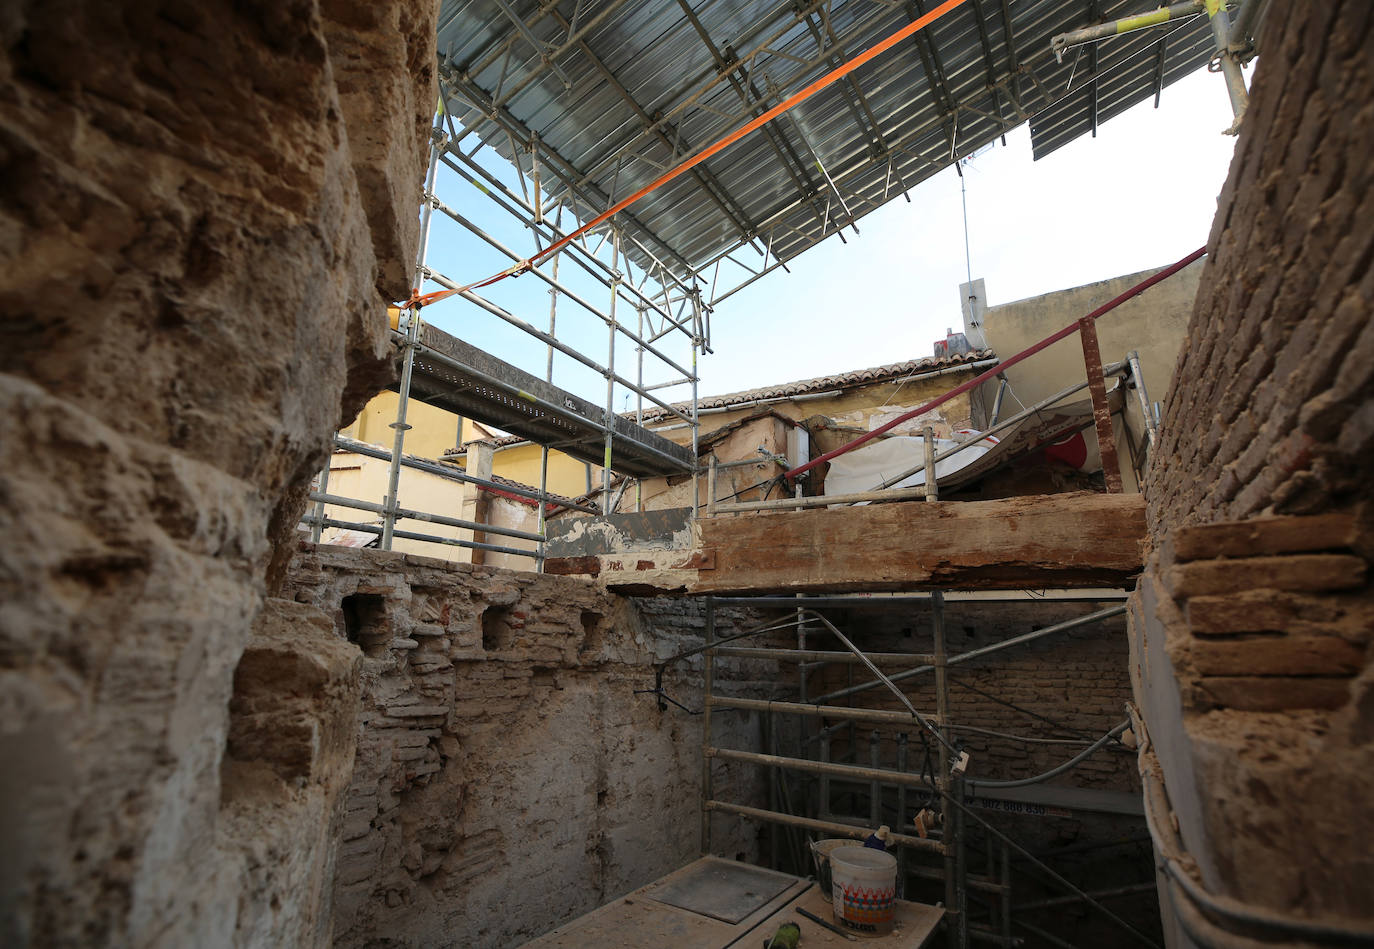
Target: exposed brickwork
[
  {"x": 1250, "y": 634},
  {"x": 1273, "y": 402}
]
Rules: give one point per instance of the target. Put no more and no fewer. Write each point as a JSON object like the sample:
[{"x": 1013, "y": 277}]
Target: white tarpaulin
[{"x": 867, "y": 467}]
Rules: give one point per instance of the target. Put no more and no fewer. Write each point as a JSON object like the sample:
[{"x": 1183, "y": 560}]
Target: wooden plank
[
  {"x": 1045, "y": 542},
  {"x": 1052, "y": 541}
]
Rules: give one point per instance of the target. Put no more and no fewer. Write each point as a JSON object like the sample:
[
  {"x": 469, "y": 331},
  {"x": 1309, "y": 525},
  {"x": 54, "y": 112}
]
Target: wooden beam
[{"x": 1053, "y": 541}]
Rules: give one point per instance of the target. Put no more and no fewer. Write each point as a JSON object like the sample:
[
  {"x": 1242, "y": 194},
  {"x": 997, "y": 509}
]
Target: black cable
[{"x": 1025, "y": 711}]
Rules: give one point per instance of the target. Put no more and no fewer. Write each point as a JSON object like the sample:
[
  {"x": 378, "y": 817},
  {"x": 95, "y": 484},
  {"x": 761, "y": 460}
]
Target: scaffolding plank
[
  {"x": 461, "y": 378},
  {"x": 1059, "y": 541}
]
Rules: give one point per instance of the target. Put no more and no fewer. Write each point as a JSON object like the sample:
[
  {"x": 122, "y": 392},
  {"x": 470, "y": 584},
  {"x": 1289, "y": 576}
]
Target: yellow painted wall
[
  {"x": 365, "y": 479},
  {"x": 433, "y": 431},
  {"x": 567, "y": 475}
]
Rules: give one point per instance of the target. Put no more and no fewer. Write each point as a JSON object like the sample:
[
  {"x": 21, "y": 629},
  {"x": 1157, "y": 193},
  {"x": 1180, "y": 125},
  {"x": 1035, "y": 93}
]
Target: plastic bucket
[
  {"x": 820, "y": 853},
  {"x": 864, "y": 891}
]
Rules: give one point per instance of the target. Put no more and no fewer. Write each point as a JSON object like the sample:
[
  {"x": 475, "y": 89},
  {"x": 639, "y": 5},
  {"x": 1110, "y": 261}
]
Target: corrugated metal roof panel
[{"x": 647, "y": 91}]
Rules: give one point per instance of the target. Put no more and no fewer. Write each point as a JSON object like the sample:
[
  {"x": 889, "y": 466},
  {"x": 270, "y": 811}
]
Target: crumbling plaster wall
[
  {"x": 508, "y": 778},
  {"x": 195, "y": 250},
  {"x": 1250, "y": 634}
]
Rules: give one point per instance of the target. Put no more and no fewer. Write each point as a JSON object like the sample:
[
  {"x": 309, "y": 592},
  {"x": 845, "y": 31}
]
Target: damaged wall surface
[
  {"x": 507, "y": 777},
  {"x": 1251, "y": 629},
  {"x": 202, "y": 215}
]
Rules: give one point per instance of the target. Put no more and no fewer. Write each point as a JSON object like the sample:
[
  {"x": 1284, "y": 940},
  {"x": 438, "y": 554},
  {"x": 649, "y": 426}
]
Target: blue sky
[{"x": 1141, "y": 194}]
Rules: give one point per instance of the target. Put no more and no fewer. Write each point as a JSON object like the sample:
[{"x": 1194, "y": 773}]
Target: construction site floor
[{"x": 713, "y": 903}]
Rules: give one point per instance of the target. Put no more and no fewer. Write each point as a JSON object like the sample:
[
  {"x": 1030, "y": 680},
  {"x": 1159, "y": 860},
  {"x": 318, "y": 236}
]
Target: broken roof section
[{"x": 616, "y": 95}]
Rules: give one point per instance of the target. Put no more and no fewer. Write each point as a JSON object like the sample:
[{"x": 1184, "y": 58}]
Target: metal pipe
[
  {"x": 846, "y": 771},
  {"x": 1114, "y": 369},
  {"x": 819, "y": 655},
  {"x": 833, "y": 828},
  {"x": 408, "y": 535},
  {"x": 901, "y": 812},
  {"x": 1056, "y": 901},
  {"x": 531, "y": 399},
  {"x": 1138, "y": 377},
  {"x": 960, "y": 868},
  {"x": 792, "y": 504},
  {"x": 824, "y": 755},
  {"x": 1230, "y": 65},
  {"x": 942, "y": 778},
  {"x": 1057, "y": 878},
  {"x": 901, "y": 697},
  {"x": 983, "y": 651},
  {"x": 405, "y": 514},
  {"x": 453, "y": 474},
  {"x": 711, "y": 486},
  {"x": 1007, "y": 363},
  {"x": 708, "y": 690},
  {"x": 611, "y": 379},
  {"x": 1004, "y": 898},
  {"x": 931, "y": 475},
  {"x": 1063, "y": 41},
  {"x": 997, "y": 400},
  {"x": 523, "y": 29},
  {"x": 552, "y": 281},
  {"x": 875, "y": 787},
  {"x": 323, "y": 486},
  {"x": 581, "y": 256},
  {"x": 607, "y": 372}
]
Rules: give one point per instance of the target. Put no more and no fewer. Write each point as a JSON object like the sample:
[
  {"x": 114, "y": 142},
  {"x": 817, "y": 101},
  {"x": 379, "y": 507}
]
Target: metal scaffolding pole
[{"x": 411, "y": 325}]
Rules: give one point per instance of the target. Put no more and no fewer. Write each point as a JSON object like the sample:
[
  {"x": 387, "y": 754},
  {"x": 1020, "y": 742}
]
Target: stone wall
[
  {"x": 194, "y": 258},
  {"x": 1250, "y": 630},
  {"x": 508, "y": 778}
]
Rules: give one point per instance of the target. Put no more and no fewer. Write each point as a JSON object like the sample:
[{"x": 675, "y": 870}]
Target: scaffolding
[
  {"x": 942, "y": 795},
  {"x": 445, "y": 371}
]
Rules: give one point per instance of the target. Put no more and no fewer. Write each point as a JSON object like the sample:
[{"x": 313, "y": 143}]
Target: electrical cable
[
  {"x": 1053, "y": 772},
  {"x": 970, "y": 729},
  {"x": 1024, "y": 711},
  {"x": 418, "y": 300}
]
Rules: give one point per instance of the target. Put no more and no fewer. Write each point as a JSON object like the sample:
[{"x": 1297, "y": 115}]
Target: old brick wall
[
  {"x": 507, "y": 776},
  {"x": 1250, "y": 629},
  {"x": 1273, "y": 402}
]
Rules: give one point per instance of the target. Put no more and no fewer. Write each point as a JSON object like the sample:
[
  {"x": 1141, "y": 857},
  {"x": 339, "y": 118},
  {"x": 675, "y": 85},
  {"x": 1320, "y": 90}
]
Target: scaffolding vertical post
[
  {"x": 708, "y": 672},
  {"x": 960, "y": 865},
  {"x": 900, "y": 824},
  {"x": 409, "y": 320},
  {"x": 1138, "y": 377},
  {"x": 610, "y": 376},
  {"x": 1230, "y": 65},
  {"x": 543, "y": 530},
  {"x": 711, "y": 486},
  {"x": 875, "y": 788},
  {"x": 824, "y": 754},
  {"x": 1006, "y": 895},
  {"x": 317, "y": 528},
  {"x": 932, "y": 485},
  {"x": 942, "y": 781},
  {"x": 1102, "y": 412},
  {"x": 698, "y": 340},
  {"x": 639, "y": 401}
]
